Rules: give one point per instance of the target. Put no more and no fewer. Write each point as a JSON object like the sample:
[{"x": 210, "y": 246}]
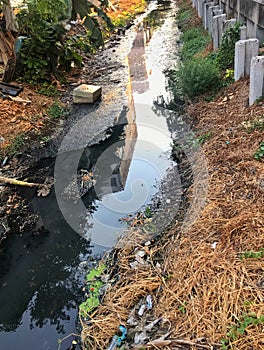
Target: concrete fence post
[
  {"x": 244, "y": 51},
  {"x": 243, "y": 33},
  {"x": 207, "y": 5},
  {"x": 240, "y": 54},
  {"x": 210, "y": 12},
  {"x": 252, "y": 49},
  {"x": 256, "y": 79},
  {"x": 201, "y": 8},
  {"x": 217, "y": 29}
]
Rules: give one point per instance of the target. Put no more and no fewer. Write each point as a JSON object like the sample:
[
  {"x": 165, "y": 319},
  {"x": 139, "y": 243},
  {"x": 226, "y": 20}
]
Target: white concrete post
[
  {"x": 210, "y": 17},
  {"x": 244, "y": 51},
  {"x": 240, "y": 54},
  {"x": 221, "y": 20},
  {"x": 207, "y": 5},
  {"x": 252, "y": 49},
  {"x": 201, "y": 8},
  {"x": 256, "y": 79},
  {"x": 243, "y": 33}
]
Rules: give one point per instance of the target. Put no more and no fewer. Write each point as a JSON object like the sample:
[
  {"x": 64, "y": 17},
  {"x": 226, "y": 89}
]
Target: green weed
[
  {"x": 48, "y": 90},
  {"x": 252, "y": 255},
  {"x": 93, "y": 287},
  {"x": 16, "y": 144},
  {"x": 240, "y": 328},
  {"x": 148, "y": 212},
  {"x": 203, "y": 138},
  {"x": 259, "y": 154},
  {"x": 56, "y": 111}
]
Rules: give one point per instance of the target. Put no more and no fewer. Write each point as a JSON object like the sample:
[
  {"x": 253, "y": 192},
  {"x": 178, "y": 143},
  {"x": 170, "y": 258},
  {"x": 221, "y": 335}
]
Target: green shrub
[{"x": 197, "y": 76}]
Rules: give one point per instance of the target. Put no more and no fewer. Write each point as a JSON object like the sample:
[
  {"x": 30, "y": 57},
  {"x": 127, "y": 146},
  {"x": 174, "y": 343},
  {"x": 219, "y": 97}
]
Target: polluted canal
[{"x": 99, "y": 186}]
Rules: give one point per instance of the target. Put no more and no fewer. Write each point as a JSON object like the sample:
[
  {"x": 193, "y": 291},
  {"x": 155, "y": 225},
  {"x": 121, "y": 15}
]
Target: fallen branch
[
  {"x": 44, "y": 189},
  {"x": 8, "y": 180}
]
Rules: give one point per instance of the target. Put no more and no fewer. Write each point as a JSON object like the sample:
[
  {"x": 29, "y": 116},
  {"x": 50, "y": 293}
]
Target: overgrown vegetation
[
  {"x": 46, "y": 50},
  {"x": 198, "y": 71},
  {"x": 198, "y": 76}
]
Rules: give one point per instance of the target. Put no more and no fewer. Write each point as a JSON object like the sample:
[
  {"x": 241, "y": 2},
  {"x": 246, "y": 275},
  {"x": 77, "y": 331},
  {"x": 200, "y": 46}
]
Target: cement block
[
  {"x": 86, "y": 93},
  {"x": 256, "y": 89}
]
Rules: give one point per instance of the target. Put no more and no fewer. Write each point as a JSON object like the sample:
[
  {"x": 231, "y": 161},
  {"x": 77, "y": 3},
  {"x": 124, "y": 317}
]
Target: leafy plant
[
  {"x": 203, "y": 138},
  {"x": 182, "y": 308},
  {"x": 46, "y": 51},
  {"x": 229, "y": 76},
  {"x": 95, "y": 273},
  {"x": 93, "y": 285},
  {"x": 259, "y": 154},
  {"x": 240, "y": 328},
  {"x": 226, "y": 52}
]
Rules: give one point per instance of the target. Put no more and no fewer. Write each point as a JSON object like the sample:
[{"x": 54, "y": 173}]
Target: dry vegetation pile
[{"x": 197, "y": 276}]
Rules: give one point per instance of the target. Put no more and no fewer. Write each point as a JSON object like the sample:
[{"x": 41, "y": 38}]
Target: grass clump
[{"x": 16, "y": 144}]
